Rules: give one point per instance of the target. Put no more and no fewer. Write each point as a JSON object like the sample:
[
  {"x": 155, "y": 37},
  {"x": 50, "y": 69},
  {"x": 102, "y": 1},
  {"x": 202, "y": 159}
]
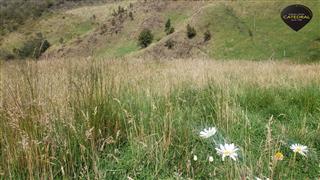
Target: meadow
[{"x": 141, "y": 119}]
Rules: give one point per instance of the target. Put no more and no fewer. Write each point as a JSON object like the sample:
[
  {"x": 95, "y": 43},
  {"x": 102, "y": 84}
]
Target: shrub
[
  {"x": 131, "y": 15},
  {"x": 5, "y": 55},
  {"x": 33, "y": 48},
  {"x": 170, "y": 31},
  {"x": 169, "y": 44},
  {"x": 145, "y": 38},
  {"x": 207, "y": 36},
  {"x": 191, "y": 32},
  {"x": 114, "y": 13},
  {"x": 61, "y": 40},
  {"x": 167, "y": 26},
  {"x": 120, "y": 10}
]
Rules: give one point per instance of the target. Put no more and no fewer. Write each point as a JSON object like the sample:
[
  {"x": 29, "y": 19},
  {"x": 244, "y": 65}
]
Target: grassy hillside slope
[
  {"x": 254, "y": 30},
  {"x": 240, "y": 30}
]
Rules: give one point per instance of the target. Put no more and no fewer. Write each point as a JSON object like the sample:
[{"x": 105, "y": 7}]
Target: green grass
[
  {"x": 69, "y": 27},
  {"x": 186, "y": 111},
  {"x": 131, "y": 46},
  {"x": 256, "y": 31},
  {"x": 83, "y": 27},
  {"x": 177, "y": 17},
  {"x": 120, "y": 49},
  {"x": 116, "y": 131}
]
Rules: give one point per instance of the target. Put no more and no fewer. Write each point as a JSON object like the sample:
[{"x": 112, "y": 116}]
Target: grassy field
[
  {"x": 98, "y": 106},
  {"x": 141, "y": 119}
]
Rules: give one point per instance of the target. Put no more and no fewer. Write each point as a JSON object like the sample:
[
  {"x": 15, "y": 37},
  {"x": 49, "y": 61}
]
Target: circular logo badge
[{"x": 296, "y": 16}]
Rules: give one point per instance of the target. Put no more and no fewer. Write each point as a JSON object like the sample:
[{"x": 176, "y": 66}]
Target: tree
[
  {"x": 33, "y": 48},
  {"x": 145, "y": 38},
  {"x": 191, "y": 32},
  {"x": 167, "y": 26},
  {"x": 207, "y": 36}
]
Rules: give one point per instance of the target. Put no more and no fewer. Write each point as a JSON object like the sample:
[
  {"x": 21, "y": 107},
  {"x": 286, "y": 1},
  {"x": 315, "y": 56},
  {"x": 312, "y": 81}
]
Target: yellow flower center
[
  {"x": 227, "y": 152},
  {"x": 299, "y": 149},
  {"x": 278, "y": 156}
]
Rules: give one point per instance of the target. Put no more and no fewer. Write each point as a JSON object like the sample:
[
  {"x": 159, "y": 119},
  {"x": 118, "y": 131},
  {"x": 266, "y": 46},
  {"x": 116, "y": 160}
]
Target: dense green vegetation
[
  {"x": 191, "y": 32},
  {"x": 33, "y": 48},
  {"x": 95, "y": 126},
  {"x": 145, "y": 38}
]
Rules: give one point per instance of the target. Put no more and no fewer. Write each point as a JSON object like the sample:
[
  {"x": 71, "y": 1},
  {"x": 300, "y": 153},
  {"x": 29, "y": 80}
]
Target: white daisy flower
[
  {"x": 228, "y": 150},
  {"x": 257, "y": 178},
  {"x": 195, "y": 158},
  {"x": 206, "y": 133},
  {"x": 210, "y": 159},
  {"x": 298, "y": 148}
]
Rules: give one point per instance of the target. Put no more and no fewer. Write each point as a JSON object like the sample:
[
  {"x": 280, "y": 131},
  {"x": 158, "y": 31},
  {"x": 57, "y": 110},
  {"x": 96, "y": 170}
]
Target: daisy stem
[
  {"x": 214, "y": 141},
  {"x": 293, "y": 164}
]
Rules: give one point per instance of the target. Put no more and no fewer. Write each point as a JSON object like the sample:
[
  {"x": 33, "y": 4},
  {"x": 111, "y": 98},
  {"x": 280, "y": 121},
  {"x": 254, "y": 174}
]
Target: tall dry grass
[{"x": 59, "y": 117}]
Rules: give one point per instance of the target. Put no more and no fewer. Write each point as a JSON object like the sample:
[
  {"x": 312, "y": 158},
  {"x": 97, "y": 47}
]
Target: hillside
[
  {"x": 239, "y": 31},
  {"x": 110, "y": 89}
]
